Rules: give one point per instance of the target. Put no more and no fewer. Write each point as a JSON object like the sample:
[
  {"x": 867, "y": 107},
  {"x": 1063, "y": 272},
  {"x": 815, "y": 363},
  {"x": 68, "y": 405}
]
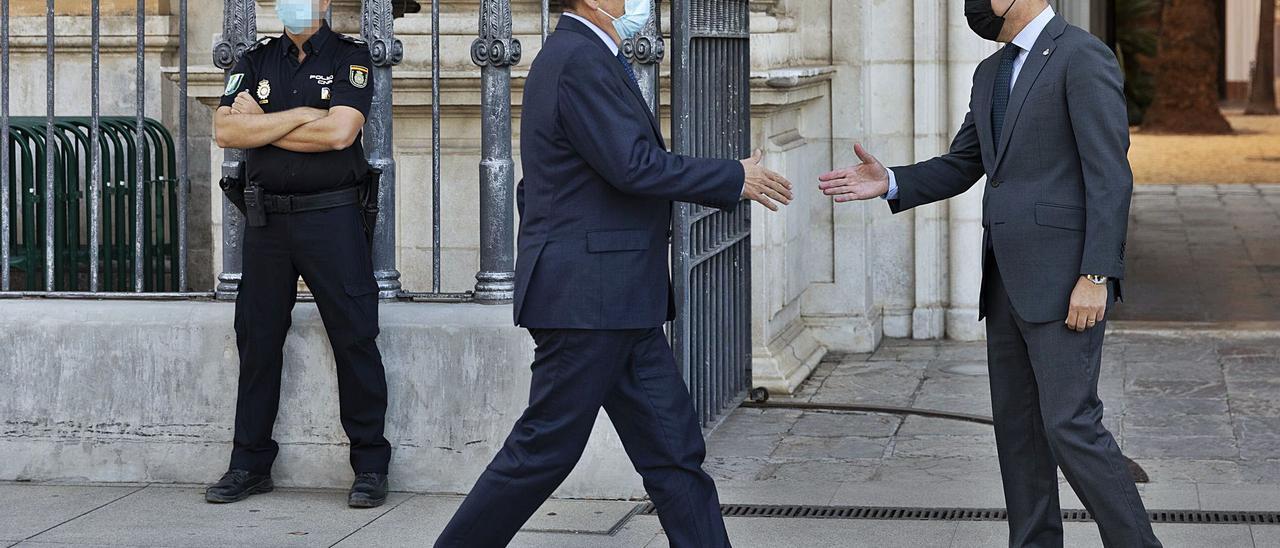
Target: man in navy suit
[{"x": 593, "y": 286}]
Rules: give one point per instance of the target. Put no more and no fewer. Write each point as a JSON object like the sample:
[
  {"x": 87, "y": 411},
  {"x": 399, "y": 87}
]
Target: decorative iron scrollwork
[
  {"x": 239, "y": 32},
  {"x": 646, "y": 50},
  {"x": 495, "y": 47},
  {"x": 377, "y": 26}
]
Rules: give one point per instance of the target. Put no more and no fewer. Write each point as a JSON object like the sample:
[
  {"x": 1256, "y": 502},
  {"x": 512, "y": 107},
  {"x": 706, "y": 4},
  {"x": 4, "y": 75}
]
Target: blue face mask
[
  {"x": 297, "y": 15},
  {"x": 633, "y": 20}
]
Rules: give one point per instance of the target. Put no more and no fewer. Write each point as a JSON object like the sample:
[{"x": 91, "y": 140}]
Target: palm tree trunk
[
  {"x": 1186, "y": 99},
  {"x": 1262, "y": 93}
]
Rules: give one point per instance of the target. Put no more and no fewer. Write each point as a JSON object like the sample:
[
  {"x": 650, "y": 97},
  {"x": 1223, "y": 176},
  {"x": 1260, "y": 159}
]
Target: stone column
[
  {"x": 932, "y": 120},
  {"x": 965, "y": 51},
  {"x": 889, "y": 134}
]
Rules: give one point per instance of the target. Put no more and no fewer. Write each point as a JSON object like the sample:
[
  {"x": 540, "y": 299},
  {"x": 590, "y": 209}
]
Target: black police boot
[
  {"x": 237, "y": 485},
  {"x": 368, "y": 491}
]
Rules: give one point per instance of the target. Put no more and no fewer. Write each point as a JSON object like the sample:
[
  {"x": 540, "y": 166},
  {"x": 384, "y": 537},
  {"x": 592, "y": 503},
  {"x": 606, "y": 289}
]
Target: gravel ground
[{"x": 1252, "y": 155}]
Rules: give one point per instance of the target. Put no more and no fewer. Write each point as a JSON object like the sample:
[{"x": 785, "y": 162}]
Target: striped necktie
[{"x": 1004, "y": 80}]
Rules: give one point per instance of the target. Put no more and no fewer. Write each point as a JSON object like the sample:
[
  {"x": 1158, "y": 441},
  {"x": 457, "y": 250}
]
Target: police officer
[{"x": 297, "y": 104}]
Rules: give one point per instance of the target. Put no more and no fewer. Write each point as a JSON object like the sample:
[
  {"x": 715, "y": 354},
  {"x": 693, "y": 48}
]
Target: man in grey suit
[{"x": 1047, "y": 126}]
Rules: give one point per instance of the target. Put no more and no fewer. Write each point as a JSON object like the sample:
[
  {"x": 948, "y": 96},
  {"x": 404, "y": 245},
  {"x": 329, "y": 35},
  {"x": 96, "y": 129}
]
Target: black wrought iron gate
[{"x": 711, "y": 250}]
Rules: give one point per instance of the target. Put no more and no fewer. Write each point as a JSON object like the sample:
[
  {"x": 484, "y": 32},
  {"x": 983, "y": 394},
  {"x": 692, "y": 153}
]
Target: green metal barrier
[{"x": 72, "y": 234}]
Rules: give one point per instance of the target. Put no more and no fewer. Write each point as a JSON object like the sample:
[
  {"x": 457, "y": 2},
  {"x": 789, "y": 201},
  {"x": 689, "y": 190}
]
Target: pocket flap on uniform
[
  {"x": 618, "y": 240},
  {"x": 1060, "y": 216},
  {"x": 361, "y": 288}
]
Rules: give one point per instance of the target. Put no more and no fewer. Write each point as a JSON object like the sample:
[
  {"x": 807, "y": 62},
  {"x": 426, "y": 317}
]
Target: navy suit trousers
[{"x": 632, "y": 374}]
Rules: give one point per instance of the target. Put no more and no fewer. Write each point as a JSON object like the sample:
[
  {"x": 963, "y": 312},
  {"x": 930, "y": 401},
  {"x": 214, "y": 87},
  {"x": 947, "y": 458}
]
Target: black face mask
[{"x": 983, "y": 20}]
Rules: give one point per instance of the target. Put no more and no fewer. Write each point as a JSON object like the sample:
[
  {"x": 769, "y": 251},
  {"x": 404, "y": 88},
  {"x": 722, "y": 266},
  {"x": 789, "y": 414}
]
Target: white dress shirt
[
  {"x": 1025, "y": 41},
  {"x": 613, "y": 46}
]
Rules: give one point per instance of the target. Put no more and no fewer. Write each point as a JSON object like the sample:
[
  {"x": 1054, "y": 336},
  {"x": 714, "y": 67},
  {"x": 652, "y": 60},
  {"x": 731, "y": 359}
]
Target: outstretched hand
[
  {"x": 864, "y": 181},
  {"x": 763, "y": 185}
]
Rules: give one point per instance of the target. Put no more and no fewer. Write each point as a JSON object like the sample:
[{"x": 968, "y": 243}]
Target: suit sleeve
[
  {"x": 1096, "y": 106},
  {"x": 596, "y": 114},
  {"x": 943, "y": 177}
]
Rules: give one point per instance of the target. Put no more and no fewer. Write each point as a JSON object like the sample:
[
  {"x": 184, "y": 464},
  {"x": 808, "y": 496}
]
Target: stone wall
[
  {"x": 91, "y": 396},
  {"x": 894, "y": 75}
]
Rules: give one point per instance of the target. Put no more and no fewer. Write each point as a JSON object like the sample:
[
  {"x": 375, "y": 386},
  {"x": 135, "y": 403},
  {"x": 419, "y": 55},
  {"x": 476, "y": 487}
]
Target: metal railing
[
  {"x": 109, "y": 222},
  {"x": 711, "y": 250},
  {"x": 140, "y": 133}
]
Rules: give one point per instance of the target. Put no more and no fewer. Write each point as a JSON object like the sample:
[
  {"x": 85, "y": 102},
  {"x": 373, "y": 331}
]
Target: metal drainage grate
[{"x": 1208, "y": 517}]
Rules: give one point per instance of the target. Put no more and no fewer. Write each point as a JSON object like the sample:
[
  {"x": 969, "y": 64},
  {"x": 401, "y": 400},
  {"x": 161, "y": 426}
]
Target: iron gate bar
[
  {"x": 139, "y": 169},
  {"x": 239, "y": 31},
  {"x": 436, "y": 252},
  {"x": 378, "y": 28},
  {"x": 48, "y": 139},
  {"x": 647, "y": 49},
  {"x": 184, "y": 166},
  {"x": 95, "y": 171},
  {"x": 495, "y": 51},
  {"x": 4, "y": 146}
]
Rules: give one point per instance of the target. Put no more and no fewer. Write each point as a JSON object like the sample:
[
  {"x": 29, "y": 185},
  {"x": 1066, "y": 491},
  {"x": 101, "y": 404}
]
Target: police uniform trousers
[
  {"x": 328, "y": 249},
  {"x": 632, "y": 374},
  {"x": 1044, "y": 398}
]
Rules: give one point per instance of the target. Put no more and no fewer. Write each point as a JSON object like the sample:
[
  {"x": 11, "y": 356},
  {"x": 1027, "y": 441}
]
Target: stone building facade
[{"x": 891, "y": 74}]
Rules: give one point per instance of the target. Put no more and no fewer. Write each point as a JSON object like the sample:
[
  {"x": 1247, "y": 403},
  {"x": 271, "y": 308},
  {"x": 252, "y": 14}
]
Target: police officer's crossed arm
[
  {"x": 244, "y": 124},
  {"x": 350, "y": 99},
  {"x": 240, "y": 121},
  {"x": 237, "y": 129}
]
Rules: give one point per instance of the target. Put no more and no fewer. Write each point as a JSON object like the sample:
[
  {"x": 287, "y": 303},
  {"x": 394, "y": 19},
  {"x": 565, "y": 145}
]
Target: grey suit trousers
[{"x": 1044, "y": 396}]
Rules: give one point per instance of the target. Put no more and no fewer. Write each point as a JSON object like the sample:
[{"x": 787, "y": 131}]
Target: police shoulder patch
[
  {"x": 359, "y": 76},
  {"x": 233, "y": 83}
]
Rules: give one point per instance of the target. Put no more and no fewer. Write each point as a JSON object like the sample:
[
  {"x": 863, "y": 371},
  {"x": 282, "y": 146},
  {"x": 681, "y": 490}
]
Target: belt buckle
[{"x": 286, "y": 203}]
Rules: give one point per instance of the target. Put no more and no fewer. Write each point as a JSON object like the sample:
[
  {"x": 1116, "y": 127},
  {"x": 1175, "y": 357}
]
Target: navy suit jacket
[{"x": 595, "y": 201}]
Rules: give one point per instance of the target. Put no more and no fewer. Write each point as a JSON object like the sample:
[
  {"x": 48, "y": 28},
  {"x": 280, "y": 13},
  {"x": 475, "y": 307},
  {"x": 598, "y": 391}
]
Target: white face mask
[
  {"x": 632, "y": 20},
  {"x": 297, "y": 15}
]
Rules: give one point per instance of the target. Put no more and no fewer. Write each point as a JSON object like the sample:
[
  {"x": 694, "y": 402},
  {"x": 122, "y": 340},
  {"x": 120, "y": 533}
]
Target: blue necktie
[
  {"x": 1000, "y": 101},
  {"x": 626, "y": 65}
]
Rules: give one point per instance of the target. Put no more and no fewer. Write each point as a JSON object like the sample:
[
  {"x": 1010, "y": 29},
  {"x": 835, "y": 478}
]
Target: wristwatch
[{"x": 1096, "y": 279}]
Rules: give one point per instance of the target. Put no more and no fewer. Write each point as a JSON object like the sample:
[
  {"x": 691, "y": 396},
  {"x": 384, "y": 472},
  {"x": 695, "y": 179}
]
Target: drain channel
[{"x": 1205, "y": 517}]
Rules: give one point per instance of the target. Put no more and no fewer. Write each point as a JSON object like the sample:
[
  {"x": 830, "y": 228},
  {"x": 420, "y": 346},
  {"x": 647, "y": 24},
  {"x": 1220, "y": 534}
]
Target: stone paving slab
[
  {"x": 1225, "y": 232},
  {"x": 30, "y": 509},
  {"x": 179, "y": 517}
]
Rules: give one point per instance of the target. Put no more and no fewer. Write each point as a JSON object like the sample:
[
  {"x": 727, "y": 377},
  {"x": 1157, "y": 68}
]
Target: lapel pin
[{"x": 1046, "y": 52}]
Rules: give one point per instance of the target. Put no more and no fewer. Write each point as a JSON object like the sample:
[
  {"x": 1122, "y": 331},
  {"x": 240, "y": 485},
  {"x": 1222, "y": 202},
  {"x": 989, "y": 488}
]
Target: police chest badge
[
  {"x": 233, "y": 83},
  {"x": 359, "y": 76},
  {"x": 324, "y": 94},
  {"x": 264, "y": 91}
]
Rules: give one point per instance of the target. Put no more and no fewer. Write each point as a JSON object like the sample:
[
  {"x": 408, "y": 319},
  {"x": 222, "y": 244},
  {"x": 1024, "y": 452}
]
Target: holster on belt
[
  {"x": 233, "y": 188},
  {"x": 255, "y": 206},
  {"x": 369, "y": 201}
]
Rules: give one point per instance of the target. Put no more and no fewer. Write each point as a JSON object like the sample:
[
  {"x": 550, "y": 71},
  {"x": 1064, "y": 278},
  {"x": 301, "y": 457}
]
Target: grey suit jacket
[{"x": 1059, "y": 183}]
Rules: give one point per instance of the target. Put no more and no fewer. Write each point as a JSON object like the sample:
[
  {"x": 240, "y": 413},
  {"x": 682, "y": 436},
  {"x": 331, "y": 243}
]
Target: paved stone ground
[
  {"x": 1200, "y": 413},
  {"x": 1203, "y": 253}
]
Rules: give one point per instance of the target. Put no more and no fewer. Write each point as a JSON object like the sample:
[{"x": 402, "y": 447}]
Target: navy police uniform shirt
[{"x": 335, "y": 72}]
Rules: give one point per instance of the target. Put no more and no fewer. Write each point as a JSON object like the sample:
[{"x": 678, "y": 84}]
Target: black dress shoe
[
  {"x": 237, "y": 485},
  {"x": 368, "y": 491}
]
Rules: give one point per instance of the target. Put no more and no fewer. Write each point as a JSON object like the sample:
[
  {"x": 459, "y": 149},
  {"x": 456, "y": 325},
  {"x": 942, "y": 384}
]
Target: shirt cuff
[{"x": 893, "y": 187}]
